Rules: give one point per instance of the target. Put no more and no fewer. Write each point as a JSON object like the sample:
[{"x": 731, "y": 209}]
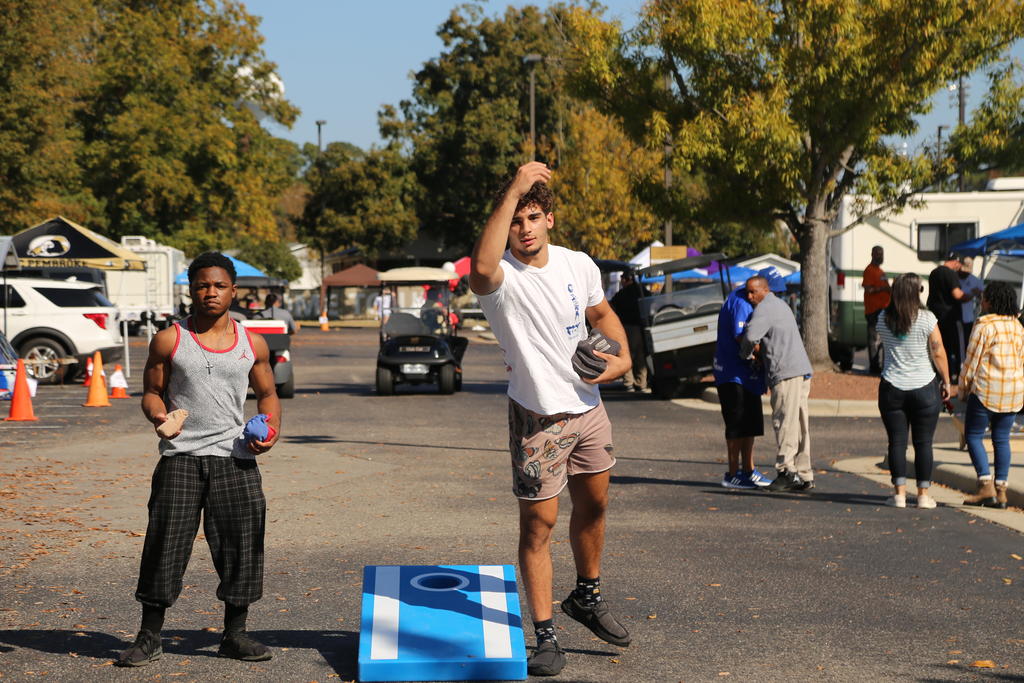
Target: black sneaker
[
  {"x": 786, "y": 481},
  {"x": 240, "y": 645},
  {"x": 547, "y": 659},
  {"x": 146, "y": 649},
  {"x": 598, "y": 618},
  {"x": 804, "y": 486}
]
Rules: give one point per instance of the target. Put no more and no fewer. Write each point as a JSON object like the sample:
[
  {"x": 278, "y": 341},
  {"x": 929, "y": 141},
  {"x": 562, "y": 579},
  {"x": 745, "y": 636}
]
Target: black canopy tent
[{"x": 60, "y": 242}]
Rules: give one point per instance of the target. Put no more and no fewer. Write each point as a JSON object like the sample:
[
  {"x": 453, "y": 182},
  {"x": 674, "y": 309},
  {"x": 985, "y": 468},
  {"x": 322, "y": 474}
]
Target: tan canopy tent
[{"x": 62, "y": 243}]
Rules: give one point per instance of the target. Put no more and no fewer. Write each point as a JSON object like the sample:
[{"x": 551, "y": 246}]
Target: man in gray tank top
[{"x": 206, "y": 365}]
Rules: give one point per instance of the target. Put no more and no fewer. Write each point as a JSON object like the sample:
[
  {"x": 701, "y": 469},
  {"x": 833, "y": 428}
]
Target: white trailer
[
  {"x": 915, "y": 241},
  {"x": 150, "y": 291}
]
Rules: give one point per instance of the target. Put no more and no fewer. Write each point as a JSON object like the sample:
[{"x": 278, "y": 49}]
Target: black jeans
[{"x": 916, "y": 411}]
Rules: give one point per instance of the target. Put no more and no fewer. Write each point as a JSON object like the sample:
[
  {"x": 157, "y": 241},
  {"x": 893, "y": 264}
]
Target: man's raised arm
[{"x": 485, "y": 274}]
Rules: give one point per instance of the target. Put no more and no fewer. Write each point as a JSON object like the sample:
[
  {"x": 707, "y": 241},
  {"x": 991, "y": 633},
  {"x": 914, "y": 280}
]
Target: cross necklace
[{"x": 209, "y": 365}]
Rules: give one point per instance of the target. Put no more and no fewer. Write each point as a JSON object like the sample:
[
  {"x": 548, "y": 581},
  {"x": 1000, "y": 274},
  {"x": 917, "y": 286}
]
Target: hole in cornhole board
[{"x": 439, "y": 581}]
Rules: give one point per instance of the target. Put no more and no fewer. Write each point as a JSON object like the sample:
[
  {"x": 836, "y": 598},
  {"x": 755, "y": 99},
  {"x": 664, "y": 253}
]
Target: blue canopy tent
[
  {"x": 242, "y": 269},
  {"x": 1008, "y": 242},
  {"x": 737, "y": 275},
  {"x": 793, "y": 278}
]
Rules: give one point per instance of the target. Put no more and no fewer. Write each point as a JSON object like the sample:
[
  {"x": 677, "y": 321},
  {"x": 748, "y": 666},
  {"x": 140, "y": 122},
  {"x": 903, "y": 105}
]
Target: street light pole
[
  {"x": 532, "y": 60},
  {"x": 319, "y": 140}
]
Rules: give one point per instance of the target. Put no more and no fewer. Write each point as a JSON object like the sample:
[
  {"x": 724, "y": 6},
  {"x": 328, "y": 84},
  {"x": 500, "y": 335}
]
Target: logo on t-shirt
[{"x": 572, "y": 329}]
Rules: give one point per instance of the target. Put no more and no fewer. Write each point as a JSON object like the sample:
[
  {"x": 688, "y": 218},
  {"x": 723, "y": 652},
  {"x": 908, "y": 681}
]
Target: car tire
[
  {"x": 458, "y": 381},
  {"x": 286, "y": 389},
  {"x": 446, "y": 379},
  {"x": 45, "y": 349},
  {"x": 385, "y": 382},
  {"x": 665, "y": 387}
]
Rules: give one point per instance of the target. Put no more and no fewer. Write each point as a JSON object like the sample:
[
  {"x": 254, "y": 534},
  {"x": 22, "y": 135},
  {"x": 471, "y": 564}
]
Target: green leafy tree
[
  {"x": 172, "y": 141},
  {"x": 42, "y": 73},
  {"x": 273, "y": 257},
  {"x": 467, "y": 123},
  {"x": 784, "y": 109},
  {"x": 363, "y": 200},
  {"x": 994, "y": 137}
]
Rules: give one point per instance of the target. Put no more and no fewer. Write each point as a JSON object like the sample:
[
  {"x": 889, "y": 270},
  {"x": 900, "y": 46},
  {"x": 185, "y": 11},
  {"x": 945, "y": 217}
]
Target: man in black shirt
[
  {"x": 944, "y": 300},
  {"x": 626, "y": 304}
]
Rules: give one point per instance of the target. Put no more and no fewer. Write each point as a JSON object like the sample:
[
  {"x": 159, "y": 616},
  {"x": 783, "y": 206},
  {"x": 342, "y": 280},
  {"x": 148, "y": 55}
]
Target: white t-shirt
[{"x": 538, "y": 316}]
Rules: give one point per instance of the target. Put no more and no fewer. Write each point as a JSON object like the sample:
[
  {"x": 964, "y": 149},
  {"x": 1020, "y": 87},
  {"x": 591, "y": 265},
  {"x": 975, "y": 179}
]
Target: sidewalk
[{"x": 952, "y": 466}]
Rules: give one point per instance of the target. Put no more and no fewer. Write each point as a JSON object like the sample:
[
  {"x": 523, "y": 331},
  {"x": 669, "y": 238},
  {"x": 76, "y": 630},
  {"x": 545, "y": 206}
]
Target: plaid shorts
[{"x": 548, "y": 449}]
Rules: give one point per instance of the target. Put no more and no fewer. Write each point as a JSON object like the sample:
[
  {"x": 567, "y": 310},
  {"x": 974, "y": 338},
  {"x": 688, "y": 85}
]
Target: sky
[{"x": 341, "y": 60}]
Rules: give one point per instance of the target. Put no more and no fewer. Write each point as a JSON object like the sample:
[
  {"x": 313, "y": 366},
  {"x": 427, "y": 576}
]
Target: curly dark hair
[
  {"x": 1001, "y": 298},
  {"x": 211, "y": 259},
  {"x": 539, "y": 194}
]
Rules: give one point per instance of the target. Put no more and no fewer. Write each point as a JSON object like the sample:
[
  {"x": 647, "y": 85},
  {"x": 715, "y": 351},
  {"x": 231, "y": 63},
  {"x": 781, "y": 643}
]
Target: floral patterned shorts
[{"x": 548, "y": 449}]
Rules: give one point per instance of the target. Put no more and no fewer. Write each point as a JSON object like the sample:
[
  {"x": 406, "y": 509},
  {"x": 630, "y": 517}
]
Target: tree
[
  {"x": 599, "y": 170},
  {"x": 42, "y": 73},
  {"x": 467, "y": 123},
  {"x": 363, "y": 200},
  {"x": 785, "y": 108},
  {"x": 994, "y": 137},
  {"x": 272, "y": 257},
  {"x": 172, "y": 141}
]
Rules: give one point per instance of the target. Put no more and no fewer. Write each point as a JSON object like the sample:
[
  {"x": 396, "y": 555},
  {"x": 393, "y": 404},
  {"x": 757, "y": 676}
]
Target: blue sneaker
[
  {"x": 757, "y": 478},
  {"x": 737, "y": 481}
]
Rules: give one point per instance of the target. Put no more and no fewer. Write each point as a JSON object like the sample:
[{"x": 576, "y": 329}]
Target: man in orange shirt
[{"x": 876, "y": 298}]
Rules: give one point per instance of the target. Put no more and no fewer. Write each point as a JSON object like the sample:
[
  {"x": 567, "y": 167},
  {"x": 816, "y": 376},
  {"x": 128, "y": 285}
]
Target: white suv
[{"x": 50, "y": 320}]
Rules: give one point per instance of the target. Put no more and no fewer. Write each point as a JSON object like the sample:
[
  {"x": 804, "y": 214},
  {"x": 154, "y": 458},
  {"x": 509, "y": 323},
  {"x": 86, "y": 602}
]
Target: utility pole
[
  {"x": 319, "y": 139},
  {"x": 668, "y": 185},
  {"x": 532, "y": 60},
  {"x": 962, "y": 115}
]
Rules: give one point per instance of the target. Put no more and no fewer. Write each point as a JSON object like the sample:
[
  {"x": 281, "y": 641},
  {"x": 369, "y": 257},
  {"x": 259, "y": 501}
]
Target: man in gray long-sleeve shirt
[{"x": 772, "y": 333}]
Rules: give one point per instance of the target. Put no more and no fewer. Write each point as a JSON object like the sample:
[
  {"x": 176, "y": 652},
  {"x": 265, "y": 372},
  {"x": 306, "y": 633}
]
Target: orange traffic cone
[
  {"x": 98, "y": 388},
  {"x": 88, "y": 372},
  {"x": 21, "y": 400},
  {"x": 118, "y": 384},
  {"x": 324, "y": 325}
]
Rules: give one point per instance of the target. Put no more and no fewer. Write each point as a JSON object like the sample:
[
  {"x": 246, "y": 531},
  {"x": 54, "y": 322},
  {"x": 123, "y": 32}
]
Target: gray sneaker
[
  {"x": 598, "y": 618},
  {"x": 547, "y": 660}
]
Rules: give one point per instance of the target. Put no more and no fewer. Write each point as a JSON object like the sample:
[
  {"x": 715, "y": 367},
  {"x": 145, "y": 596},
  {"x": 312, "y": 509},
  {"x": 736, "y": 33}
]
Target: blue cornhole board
[{"x": 441, "y": 623}]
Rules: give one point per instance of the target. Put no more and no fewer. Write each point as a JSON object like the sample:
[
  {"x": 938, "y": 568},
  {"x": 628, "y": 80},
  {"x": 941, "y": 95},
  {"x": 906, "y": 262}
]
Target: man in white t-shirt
[{"x": 538, "y": 299}]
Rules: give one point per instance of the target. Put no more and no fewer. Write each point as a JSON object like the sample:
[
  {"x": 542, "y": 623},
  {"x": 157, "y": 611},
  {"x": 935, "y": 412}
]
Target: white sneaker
[
  {"x": 926, "y": 502},
  {"x": 897, "y": 501}
]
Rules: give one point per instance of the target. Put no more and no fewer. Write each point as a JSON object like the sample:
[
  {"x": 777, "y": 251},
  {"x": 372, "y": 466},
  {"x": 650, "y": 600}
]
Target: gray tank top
[{"x": 212, "y": 386}]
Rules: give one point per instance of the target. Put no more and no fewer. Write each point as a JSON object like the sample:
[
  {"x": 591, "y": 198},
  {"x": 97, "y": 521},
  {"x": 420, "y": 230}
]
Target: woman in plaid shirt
[{"x": 992, "y": 379}]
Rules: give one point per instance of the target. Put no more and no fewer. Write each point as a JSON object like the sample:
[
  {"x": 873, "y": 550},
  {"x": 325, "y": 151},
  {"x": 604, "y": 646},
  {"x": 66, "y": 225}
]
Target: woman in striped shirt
[
  {"x": 992, "y": 378},
  {"x": 910, "y": 392}
]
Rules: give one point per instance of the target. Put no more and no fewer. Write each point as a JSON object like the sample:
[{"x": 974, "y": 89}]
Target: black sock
[
  {"x": 152, "y": 619},
  {"x": 234, "y": 618},
  {"x": 588, "y": 591},
  {"x": 545, "y": 630}
]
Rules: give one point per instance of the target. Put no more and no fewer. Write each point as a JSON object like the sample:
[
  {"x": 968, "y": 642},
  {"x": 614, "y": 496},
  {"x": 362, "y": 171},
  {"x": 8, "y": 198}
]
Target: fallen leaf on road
[
  {"x": 1007, "y": 581},
  {"x": 983, "y": 664},
  {"x": 953, "y": 661},
  {"x": 210, "y": 629},
  {"x": 717, "y": 585},
  {"x": 1016, "y": 556},
  {"x": 613, "y": 661},
  {"x": 652, "y": 616}
]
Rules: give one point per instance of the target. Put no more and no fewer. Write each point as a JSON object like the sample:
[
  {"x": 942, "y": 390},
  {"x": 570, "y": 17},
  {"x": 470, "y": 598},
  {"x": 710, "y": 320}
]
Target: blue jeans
[
  {"x": 977, "y": 418},
  {"x": 910, "y": 415}
]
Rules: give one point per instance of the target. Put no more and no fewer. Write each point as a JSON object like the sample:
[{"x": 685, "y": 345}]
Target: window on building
[{"x": 935, "y": 239}]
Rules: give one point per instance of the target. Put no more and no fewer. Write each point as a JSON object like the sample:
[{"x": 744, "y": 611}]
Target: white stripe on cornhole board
[
  {"x": 497, "y": 635},
  {"x": 384, "y": 634}
]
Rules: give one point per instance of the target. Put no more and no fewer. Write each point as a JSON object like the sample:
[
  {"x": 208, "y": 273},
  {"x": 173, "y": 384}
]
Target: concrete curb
[
  {"x": 819, "y": 407},
  {"x": 946, "y": 497}
]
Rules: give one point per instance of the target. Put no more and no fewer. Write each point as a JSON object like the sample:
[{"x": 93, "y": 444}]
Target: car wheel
[
  {"x": 446, "y": 379},
  {"x": 47, "y": 355},
  {"x": 385, "y": 381},
  {"x": 665, "y": 387},
  {"x": 286, "y": 389},
  {"x": 458, "y": 381}
]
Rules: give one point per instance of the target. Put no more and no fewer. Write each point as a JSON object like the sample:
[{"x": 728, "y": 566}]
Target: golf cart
[
  {"x": 681, "y": 326},
  {"x": 419, "y": 343}
]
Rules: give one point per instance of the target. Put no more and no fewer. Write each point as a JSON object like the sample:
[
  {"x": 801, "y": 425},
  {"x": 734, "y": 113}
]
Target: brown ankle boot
[
  {"x": 1001, "y": 496},
  {"x": 986, "y": 494}
]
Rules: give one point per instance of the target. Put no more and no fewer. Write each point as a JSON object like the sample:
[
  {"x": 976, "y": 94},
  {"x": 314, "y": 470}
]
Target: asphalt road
[{"x": 714, "y": 584}]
